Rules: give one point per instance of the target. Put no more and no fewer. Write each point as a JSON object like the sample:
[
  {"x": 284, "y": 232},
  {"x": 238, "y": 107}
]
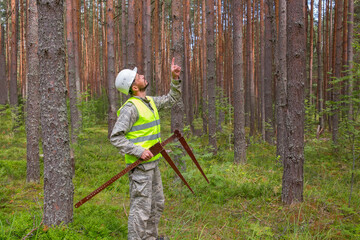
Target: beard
[{"x": 143, "y": 89}]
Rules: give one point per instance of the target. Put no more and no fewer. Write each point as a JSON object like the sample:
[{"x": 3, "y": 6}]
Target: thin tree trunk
[
  {"x": 219, "y": 64},
  {"x": 204, "y": 73},
  {"x": 311, "y": 51},
  {"x": 293, "y": 177},
  {"x": 239, "y": 95},
  {"x": 268, "y": 84},
  {"x": 3, "y": 82},
  {"x": 73, "y": 97},
  {"x": 131, "y": 51},
  {"x": 281, "y": 85},
  {"x": 111, "y": 65},
  {"x": 58, "y": 170},
  {"x": 211, "y": 74},
  {"x": 177, "y": 111},
  {"x": 338, "y": 46},
  {"x": 139, "y": 36},
  {"x": 123, "y": 33},
  {"x": 262, "y": 67},
  {"x": 320, "y": 67},
  {"x": 351, "y": 56},
  {"x": 33, "y": 97},
  {"x": 147, "y": 43},
  {"x": 14, "y": 50}
]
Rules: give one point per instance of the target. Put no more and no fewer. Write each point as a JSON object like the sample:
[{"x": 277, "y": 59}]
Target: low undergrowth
[{"x": 241, "y": 201}]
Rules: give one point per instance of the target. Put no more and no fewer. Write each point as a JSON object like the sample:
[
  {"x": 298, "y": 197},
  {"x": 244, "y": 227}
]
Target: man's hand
[
  {"x": 146, "y": 155},
  {"x": 175, "y": 70}
]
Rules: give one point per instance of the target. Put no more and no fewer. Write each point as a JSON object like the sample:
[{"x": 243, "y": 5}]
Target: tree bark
[
  {"x": 293, "y": 179},
  {"x": 338, "y": 48},
  {"x": 110, "y": 65},
  {"x": 147, "y": 44},
  {"x": 281, "y": 85},
  {"x": 14, "y": 49},
  {"x": 351, "y": 56},
  {"x": 58, "y": 170},
  {"x": 3, "y": 82},
  {"x": 311, "y": 52},
  {"x": 268, "y": 83},
  {"x": 73, "y": 96},
  {"x": 204, "y": 73},
  {"x": 211, "y": 75},
  {"x": 131, "y": 52},
  {"x": 238, "y": 81},
  {"x": 320, "y": 67},
  {"x": 33, "y": 97},
  {"x": 177, "y": 111}
]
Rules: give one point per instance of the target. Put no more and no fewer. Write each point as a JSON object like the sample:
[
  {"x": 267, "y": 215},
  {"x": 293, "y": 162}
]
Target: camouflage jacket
[{"x": 129, "y": 115}]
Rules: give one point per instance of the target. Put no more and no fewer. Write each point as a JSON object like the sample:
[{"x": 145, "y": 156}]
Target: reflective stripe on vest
[{"x": 146, "y": 130}]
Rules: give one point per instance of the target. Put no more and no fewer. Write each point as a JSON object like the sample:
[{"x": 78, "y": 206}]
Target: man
[{"x": 136, "y": 130}]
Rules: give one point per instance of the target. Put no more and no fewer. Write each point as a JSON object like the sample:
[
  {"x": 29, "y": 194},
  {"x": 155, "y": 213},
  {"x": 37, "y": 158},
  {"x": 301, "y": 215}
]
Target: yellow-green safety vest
[{"x": 146, "y": 130}]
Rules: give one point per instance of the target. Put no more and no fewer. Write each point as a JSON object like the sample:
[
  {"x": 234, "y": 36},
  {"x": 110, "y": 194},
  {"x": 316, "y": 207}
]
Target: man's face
[{"x": 140, "y": 82}]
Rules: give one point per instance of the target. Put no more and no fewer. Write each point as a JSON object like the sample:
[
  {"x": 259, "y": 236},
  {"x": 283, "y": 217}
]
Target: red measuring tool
[{"x": 155, "y": 149}]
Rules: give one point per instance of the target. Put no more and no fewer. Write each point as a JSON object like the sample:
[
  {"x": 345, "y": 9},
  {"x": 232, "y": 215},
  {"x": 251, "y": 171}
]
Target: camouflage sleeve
[
  {"x": 172, "y": 97},
  {"x": 128, "y": 116}
]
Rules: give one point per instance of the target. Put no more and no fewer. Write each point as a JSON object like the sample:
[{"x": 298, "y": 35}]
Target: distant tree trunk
[
  {"x": 204, "y": 73},
  {"x": 281, "y": 88},
  {"x": 219, "y": 64},
  {"x": 3, "y": 82},
  {"x": 177, "y": 111},
  {"x": 131, "y": 51},
  {"x": 58, "y": 171},
  {"x": 123, "y": 33},
  {"x": 262, "y": 67},
  {"x": 351, "y": 56},
  {"x": 147, "y": 43},
  {"x": 250, "y": 68},
  {"x": 210, "y": 70},
  {"x": 311, "y": 52},
  {"x": 157, "y": 51},
  {"x": 14, "y": 50},
  {"x": 239, "y": 95},
  {"x": 293, "y": 177},
  {"x": 110, "y": 65},
  {"x": 73, "y": 97},
  {"x": 77, "y": 54},
  {"x": 338, "y": 46},
  {"x": 320, "y": 67},
  {"x": 33, "y": 97},
  {"x": 139, "y": 36},
  {"x": 22, "y": 53},
  {"x": 268, "y": 84}
]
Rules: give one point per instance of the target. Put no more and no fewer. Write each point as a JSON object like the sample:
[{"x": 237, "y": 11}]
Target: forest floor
[{"x": 241, "y": 201}]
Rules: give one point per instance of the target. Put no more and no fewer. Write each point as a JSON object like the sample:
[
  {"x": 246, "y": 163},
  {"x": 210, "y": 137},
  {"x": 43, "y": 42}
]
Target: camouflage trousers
[{"x": 146, "y": 203}]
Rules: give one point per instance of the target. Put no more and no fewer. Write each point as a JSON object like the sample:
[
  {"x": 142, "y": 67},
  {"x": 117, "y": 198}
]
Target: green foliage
[{"x": 93, "y": 110}]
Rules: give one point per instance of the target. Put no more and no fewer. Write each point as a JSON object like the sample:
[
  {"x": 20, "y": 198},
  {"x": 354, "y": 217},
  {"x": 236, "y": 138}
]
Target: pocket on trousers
[{"x": 140, "y": 185}]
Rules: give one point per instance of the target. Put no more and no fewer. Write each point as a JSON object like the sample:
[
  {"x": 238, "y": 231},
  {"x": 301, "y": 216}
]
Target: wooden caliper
[{"x": 155, "y": 149}]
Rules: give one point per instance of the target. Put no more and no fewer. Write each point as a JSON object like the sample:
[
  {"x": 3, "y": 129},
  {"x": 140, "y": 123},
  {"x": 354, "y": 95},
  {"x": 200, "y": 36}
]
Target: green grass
[{"x": 241, "y": 201}]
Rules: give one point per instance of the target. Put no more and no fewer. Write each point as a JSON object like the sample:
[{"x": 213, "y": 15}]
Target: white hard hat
[{"x": 124, "y": 79}]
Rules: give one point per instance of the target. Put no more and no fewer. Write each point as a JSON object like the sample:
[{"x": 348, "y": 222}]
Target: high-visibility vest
[{"x": 146, "y": 130}]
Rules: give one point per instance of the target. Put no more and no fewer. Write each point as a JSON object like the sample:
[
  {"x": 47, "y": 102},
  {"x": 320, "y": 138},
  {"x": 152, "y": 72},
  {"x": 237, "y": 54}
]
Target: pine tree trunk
[
  {"x": 262, "y": 67},
  {"x": 139, "y": 36},
  {"x": 281, "y": 88},
  {"x": 293, "y": 179},
  {"x": 351, "y": 56},
  {"x": 147, "y": 44},
  {"x": 131, "y": 51},
  {"x": 123, "y": 33},
  {"x": 311, "y": 52},
  {"x": 238, "y": 81},
  {"x": 204, "y": 73},
  {"x": 33, "y": 97},
  {"x": 3, "y": 82},
  {"x": 110, "y": 66},
  {"x": 58, "y": 170},
  {"x": 73, "y": 97},
  {"x": 14, "y": 49},
  {"x": 250, "y": 68},
  {"x": 338, "y": 46},
  {"x": 320, "y": 67},
  {"x": 177, "y": 111},
  {"x": 211, "y": 75},
  {"x": 268, "y": 84}
]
